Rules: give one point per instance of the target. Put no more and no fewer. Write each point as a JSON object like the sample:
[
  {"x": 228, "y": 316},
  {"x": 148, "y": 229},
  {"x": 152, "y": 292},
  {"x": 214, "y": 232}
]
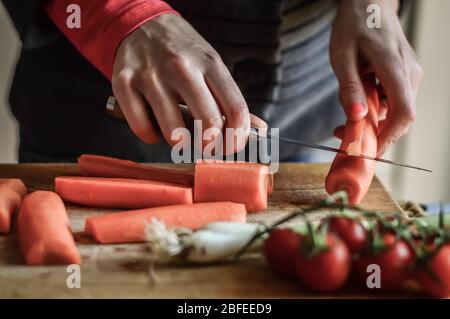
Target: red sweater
[{"x": 104, "y": 24}]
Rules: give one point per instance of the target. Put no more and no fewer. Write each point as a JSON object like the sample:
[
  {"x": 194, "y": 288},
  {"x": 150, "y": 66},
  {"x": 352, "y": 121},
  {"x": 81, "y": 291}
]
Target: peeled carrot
[
  {"x": 238, "y": 182},
  {"x": 44, "y": 231},
  {"x": 103, "y": 166},
  {"x": 120, "y": 192},
  {"x": 130, "y": 226},
  {"x": 11, "y": 193},
  {"x": 351, "y": 174}
]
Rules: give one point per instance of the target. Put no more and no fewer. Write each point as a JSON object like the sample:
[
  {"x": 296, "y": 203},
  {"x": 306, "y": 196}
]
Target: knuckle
[
  {"x": 391, "y": 54},
  {"x": 214, "y": 122},
  {"x": 122, "y": 80},
  {"x": 212, "y": 58},
  {"x": 178, "y": 63},
  {"x": 416, "y": 70},
  {"x": 236, "y": 116},
  {"x": 350, "y": 87}
]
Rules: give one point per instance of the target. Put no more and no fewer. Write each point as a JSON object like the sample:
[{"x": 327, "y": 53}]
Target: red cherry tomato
[
  {"x": 396, "y": 263},
  {"x": 328, "y": 270},
  {"x": 280, "y": 248},
  {"x": 350, "y": 231},
  {"x": 439, "y": 264}
]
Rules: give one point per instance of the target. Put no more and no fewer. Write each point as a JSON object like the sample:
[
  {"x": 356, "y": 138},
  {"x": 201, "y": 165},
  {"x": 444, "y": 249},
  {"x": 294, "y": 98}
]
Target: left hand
[{"x": 356, "y": 49}]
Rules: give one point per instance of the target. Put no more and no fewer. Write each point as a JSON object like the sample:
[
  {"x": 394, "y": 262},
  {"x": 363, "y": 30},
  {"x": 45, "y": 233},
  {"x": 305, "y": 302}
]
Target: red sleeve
[{"x": 104, "y": 24}]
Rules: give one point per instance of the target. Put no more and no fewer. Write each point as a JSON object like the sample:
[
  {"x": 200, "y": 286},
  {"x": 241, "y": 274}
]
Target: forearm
[{"x": 104, "y": 24}]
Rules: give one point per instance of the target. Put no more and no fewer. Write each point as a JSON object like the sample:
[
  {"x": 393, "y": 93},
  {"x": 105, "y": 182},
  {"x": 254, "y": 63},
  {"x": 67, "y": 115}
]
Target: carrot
[
  {"x": 121, "y": 193},
  {"x": 11, "y": 193},
  {"x": 103, "y": 166},
  {"x": 238, "y": 182},
  {"x": 351, "y": 174},
  {"x": 130, "y": 226},
  {"x": 44, "y": 231}
]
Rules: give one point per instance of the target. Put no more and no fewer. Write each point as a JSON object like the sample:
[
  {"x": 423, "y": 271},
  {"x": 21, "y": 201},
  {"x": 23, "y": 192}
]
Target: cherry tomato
[
  {"x": 439, "y": 264},
  {"x": 280, "y": 248},
  {"x": 328, "y": 270},
  {"x": 395, "y": 262},
  {"x": 350, "y": 231}
]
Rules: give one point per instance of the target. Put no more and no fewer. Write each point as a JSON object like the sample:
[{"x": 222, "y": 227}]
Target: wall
[
  {"x": 9, "y": 46},
  {"x": 428, "y": 143}
]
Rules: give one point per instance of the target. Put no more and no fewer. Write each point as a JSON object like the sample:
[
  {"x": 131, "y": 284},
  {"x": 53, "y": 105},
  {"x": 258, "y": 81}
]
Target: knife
[{"x": 113, "y": 109}]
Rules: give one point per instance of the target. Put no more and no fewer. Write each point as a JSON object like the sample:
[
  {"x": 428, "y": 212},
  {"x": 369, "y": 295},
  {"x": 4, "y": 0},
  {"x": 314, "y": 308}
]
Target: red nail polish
[{"x": 355, "y": 110}]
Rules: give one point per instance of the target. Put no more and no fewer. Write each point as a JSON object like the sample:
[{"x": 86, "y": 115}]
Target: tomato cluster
[{"x": 323, "y": 258}]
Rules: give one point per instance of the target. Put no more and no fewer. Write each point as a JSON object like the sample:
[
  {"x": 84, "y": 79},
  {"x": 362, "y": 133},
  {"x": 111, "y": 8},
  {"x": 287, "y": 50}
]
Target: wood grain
[{"x": 123, "y": 270}]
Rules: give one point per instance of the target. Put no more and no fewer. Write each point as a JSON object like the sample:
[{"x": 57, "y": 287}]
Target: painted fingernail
[{"x": 356, "y": 109}]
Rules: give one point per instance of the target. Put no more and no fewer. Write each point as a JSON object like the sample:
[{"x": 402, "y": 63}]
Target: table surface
[{"x": 123, "y": 270}]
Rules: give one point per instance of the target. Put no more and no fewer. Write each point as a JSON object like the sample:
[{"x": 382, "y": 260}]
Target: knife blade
[
  {"x": 113, "y": 109},
  {"x": 337, "y": 150}
]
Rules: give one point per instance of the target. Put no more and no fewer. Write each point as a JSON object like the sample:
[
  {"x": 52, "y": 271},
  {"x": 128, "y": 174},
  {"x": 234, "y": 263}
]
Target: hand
[
  {"x": 165, "y": 61},
  {"x": 355, "y": 49}
]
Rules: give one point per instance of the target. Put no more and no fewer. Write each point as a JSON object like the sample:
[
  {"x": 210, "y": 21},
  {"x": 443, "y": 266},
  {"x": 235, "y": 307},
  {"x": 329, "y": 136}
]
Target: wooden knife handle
[
  {"x": 259, "y": 127},
  {"x": 113, "y": 109}
]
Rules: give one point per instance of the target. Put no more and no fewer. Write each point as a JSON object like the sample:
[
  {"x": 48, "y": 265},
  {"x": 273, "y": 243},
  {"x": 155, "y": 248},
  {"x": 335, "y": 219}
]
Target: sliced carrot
[
  {"x": 103, "y": 166},
  {"x": 44, "y": 231},
  {"x": 121, "y": 193},
  {"x": 129, "y": 226},
  {"x": 238, "y": 182},
  {"x": 351, "y": 174},
  {"x": 11, "y": 193}
]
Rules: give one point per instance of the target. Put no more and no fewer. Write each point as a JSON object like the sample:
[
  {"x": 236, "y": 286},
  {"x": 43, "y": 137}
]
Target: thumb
[{"x": 351, "y": 90}]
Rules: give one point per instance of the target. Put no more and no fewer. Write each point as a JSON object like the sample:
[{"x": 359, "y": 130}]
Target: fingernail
[{"x": 356, "y": 109}]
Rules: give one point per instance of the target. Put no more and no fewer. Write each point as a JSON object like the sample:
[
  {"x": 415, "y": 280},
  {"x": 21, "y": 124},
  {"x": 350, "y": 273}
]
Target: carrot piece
[
  {"x": 12, "y": 190},
  {"x": 103, "y": 166},
  {"x": 238, "y": 182},
  {"x": 129, "y": 226},
  {"x": 351, "y": 174},
  {"x": 44, "y": 231},
  {"x": 121, "y": 193}
]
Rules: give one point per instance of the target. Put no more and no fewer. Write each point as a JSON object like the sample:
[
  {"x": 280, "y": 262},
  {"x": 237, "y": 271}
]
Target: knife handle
[{"x": 113, "y": 109}]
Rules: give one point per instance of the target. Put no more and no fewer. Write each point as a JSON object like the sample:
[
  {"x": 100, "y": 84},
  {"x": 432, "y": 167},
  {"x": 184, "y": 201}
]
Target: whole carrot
[
  {"x": 121, "y": 192},
  {"x": 44, "y": 231},
  {"x": 104, "y": 166},
  {"x": 130, "y": 226}
]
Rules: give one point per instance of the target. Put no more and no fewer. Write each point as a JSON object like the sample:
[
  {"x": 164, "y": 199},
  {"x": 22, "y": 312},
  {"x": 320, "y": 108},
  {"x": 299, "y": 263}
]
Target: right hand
[{"x": 165, "y": 61}]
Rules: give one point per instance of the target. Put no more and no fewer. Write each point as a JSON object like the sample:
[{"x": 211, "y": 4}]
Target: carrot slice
[
  {"x": 103, "y": 166},
  {"x": 121, "y": 193},
  {"x": 11, "y": 193},
  {"x": 351, "y": 174},
  {"x": 238, "y": 182},
  {"x": 129, "y": 226},
  {"x": 44, "y": 231}
]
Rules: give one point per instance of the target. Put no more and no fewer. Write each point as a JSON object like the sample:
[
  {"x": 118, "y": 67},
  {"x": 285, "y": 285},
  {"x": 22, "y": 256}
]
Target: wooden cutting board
[{"x": 124, "y": 270}]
